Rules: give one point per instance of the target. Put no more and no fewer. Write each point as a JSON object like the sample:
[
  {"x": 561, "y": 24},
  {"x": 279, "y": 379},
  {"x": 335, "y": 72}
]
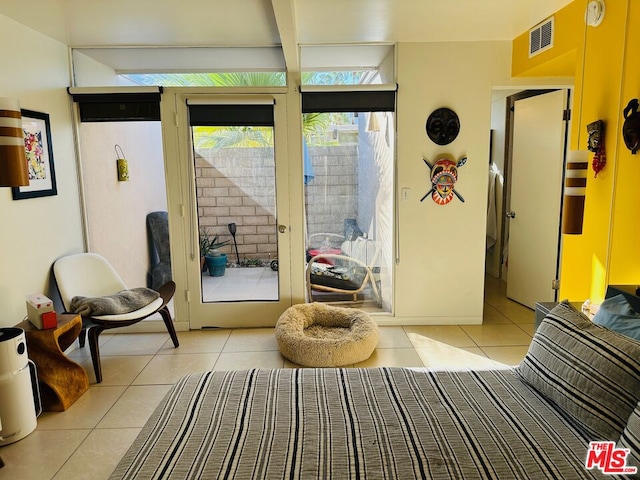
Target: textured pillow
[
  {"x": 616, "y": 314},
  {"x": 589, "y": 373},
  {"x": 631, "y": 438}
]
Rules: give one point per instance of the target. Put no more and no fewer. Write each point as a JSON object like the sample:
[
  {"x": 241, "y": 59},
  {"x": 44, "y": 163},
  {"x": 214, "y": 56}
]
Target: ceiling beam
[{"x": 284, "y": 11}]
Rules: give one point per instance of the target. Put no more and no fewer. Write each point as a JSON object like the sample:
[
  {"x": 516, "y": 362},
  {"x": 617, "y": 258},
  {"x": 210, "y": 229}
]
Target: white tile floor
[
  {"x": 249, "y": 283},
  {"x": 87, "y": 441}
]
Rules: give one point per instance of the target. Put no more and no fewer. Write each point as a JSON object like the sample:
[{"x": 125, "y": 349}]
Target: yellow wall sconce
[
  {"x": 122, "y": 164},
  {"x": 13, "y": 160}
]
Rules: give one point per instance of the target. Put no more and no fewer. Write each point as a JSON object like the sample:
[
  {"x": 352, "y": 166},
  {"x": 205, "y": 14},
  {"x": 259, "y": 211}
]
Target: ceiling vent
[{"x": 541, "y": 37}]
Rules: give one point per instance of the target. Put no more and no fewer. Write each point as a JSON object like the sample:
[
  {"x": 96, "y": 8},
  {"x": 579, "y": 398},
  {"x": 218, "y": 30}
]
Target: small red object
[
  {"x": 49, "y": 320},
  {"x": 318, "y": 251},
  {"x": 599, "y": 160}
]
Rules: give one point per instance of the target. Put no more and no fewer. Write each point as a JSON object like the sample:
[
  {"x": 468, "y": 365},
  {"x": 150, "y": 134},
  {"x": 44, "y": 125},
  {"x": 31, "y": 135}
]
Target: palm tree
[{"x": 313, "y": 124}]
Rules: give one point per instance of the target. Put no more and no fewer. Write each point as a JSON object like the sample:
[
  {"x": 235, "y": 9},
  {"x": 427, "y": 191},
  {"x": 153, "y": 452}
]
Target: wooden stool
[{"x": 62, "y": 381}]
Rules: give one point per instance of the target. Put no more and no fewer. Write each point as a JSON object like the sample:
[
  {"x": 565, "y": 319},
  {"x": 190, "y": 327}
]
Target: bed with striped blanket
[{"x": 378, "y": 423}]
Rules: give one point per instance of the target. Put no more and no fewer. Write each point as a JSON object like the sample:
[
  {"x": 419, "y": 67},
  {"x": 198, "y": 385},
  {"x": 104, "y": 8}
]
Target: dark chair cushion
[{"x": 337, "y": 276}]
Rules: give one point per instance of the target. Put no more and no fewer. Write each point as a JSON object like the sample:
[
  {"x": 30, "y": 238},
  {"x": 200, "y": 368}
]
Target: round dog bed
[{"x": 319, "y": 335}]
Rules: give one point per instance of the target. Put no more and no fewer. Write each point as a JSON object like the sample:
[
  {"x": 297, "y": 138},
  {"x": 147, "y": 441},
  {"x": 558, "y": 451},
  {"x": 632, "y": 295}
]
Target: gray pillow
[{"x": 588, "y": 372}]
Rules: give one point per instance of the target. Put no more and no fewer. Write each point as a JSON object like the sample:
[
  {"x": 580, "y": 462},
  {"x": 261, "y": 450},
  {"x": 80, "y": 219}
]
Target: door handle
[
  {"x": 282, "y": 228},
  {"x": 511, "y": 214}
]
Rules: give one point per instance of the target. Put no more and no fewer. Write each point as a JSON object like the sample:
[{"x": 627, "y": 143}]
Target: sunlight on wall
[{"x": 598, "y": 283}]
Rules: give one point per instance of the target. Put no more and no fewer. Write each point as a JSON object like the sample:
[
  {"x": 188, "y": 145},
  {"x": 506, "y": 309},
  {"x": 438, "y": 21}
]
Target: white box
[{"x": 37, "y": 304}]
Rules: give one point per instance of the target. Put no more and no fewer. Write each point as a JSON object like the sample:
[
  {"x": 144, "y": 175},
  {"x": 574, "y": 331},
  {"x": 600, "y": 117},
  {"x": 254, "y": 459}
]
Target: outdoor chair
[
  {"x": 91, "y": 276},
  {"x": 349, "y": 272}
]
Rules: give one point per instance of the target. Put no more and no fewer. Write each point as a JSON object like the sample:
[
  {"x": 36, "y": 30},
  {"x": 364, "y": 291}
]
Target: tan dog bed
[{"x": 319, "y": 335}]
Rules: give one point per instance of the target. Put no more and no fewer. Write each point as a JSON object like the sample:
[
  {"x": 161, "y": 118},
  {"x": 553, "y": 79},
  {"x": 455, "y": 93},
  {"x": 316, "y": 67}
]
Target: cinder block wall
[
  {"x": 238, "y": 185},
  {"x": 332, "y": 195}
]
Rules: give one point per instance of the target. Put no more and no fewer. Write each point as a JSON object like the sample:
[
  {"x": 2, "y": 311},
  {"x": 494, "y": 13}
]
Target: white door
[
  {"x": 536, "y": 194},
  {"x": 227, "y": 181}
]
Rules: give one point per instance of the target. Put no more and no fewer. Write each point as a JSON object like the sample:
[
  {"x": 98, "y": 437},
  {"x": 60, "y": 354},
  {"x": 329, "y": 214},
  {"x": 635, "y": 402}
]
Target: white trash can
[{"x": 19, "y": 395}]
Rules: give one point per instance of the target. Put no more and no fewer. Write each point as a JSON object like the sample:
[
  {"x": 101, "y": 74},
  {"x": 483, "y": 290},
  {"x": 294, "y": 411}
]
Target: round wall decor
[
  {"x": 595, "y": 13},
  {"x": 443, "y": 126}
]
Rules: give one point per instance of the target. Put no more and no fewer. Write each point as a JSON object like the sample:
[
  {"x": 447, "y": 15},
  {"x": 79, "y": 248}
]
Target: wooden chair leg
[
  {"x": 94, "y": 334},
  {"x": 82, "y": 337},
  {"x": 166, "y": 316}
]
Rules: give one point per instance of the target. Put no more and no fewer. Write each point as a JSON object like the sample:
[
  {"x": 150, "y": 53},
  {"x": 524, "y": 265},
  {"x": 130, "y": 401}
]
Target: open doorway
[{"x": 530, "y": 132}]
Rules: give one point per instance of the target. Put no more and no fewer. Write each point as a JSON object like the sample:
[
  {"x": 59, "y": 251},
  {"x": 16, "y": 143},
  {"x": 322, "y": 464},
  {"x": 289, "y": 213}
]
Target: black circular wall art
[{"x": 443, "y": 126}]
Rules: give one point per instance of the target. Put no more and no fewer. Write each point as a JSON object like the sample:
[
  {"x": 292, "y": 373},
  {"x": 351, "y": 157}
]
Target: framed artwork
[{"x": 39, "y": 151}]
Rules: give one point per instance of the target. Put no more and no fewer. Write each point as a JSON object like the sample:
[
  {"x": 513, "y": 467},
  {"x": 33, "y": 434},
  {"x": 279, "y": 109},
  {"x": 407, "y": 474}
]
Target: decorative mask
[
  {"x": 631, "y": 126},
  {"x": 595, "y": 131},
  {"x": 444, "y": 175},
  {"x": 443, "y": 126},
  {"x": 596, "y": 145}
]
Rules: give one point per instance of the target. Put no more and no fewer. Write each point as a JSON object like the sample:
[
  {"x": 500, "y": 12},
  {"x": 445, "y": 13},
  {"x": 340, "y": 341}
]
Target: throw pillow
[
  {"x": 631, "y": 438},
  {"x": 588, "y": 372},
  {"x": 616, "y": 314}
]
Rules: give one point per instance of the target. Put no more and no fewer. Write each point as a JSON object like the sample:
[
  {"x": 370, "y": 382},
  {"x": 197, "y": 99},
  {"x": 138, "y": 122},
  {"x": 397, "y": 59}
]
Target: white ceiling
[{"x": 269, "y": 23}]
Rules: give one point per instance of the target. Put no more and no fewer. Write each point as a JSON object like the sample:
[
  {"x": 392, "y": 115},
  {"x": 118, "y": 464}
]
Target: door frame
[
  {"x": 183, "y": 212},
  {"x": 508, "y": 161}
]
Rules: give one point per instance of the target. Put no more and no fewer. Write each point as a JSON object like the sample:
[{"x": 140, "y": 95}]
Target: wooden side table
[{"x": 62, "y": 381}]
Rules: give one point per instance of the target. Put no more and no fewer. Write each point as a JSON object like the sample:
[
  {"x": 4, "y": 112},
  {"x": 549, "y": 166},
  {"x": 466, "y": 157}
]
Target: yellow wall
[
  {"x": 625, "y": 250},
  {"x": 599, "y": 99},
  {"x": 559, "y": 61},
  {"x": 607, "y": 76}
]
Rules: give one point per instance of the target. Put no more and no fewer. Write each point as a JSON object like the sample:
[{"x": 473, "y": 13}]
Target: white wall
[
  {"x": 117, "y": 211},
  {"x": 88, "y": 72},
  {"x": 35, "y": 232},
  {"x": 440, "y": 276}
]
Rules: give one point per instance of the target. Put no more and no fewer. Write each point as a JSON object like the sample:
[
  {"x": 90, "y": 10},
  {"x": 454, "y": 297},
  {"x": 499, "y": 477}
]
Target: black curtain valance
[
  {"x": 118, "y": 107},
  {"x": 228, "y": 115},
  {"x": 362, "y": 101}
]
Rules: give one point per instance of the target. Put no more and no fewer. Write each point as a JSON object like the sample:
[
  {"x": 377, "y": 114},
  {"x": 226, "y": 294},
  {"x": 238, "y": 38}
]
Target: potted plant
[{"x": 209, "y": 249}]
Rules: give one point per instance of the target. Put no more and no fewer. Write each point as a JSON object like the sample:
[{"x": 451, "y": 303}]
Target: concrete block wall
[
  {"x": 238, "y": 185},
  {"x": 332, "y": 194}
]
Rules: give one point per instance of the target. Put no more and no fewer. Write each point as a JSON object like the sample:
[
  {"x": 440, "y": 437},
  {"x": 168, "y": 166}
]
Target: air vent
[{"x": 541, "y": 37}]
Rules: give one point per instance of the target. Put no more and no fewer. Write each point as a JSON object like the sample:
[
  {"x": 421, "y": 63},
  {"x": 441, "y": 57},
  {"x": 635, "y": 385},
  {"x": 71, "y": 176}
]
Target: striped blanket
[{"x": 381, "y": 423}]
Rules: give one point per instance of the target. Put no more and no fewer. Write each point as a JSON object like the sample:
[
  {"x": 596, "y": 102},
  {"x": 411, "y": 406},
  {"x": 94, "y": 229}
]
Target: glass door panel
[
  {"x": 236, "y": 205},
  {"x": 349, "y": 178},
  {"x": 229, "y": 178}
]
